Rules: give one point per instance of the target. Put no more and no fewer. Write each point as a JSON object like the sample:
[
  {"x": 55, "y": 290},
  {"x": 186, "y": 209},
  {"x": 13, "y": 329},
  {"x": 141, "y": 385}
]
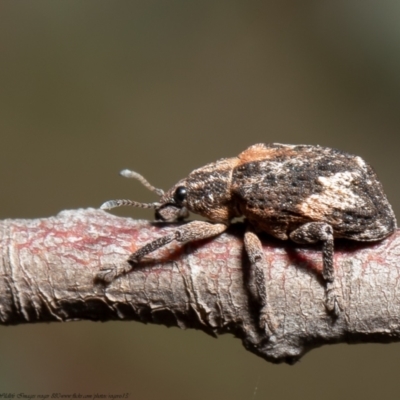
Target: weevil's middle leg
[
  {"x": 313, "y": 232},
  {"x": 258, "y": 280},
  {"x": 195, "y": 230}
]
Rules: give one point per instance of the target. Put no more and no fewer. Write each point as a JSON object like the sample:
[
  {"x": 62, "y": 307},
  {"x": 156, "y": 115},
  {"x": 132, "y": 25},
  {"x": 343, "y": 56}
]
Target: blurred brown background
[{"x": 88, "y": 88}]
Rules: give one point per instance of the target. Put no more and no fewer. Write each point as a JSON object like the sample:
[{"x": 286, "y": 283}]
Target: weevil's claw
[
  {"x": 111, "y": 272},
  {"x": 332, "y": 301},
  {"x": 107, "y": 275},
  {"x": 267, "y": 321}
]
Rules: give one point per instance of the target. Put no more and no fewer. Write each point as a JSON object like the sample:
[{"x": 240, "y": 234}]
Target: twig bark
[{"x": 47, "y": 271}]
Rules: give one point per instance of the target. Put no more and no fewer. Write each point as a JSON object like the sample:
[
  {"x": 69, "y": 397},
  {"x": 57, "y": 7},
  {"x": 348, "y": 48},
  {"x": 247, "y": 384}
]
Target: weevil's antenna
[
  {"x": 108, "y": 205},
  {"x": 127, "y": 173}
]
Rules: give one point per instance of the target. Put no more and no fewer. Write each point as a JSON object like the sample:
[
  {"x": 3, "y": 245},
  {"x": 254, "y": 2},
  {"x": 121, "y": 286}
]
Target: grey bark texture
[{"x": 48, "y": 268}]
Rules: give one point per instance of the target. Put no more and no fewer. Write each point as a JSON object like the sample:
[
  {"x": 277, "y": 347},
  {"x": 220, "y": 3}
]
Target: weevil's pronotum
[{"x": 304, "y": 193}]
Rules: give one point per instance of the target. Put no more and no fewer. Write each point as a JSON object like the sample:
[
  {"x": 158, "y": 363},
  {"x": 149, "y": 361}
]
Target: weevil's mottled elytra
[{"x": 304, "y": 193}]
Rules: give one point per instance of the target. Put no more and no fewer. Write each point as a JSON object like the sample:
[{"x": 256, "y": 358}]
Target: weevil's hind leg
[
  {"x": 258, "y": 280},
  {"x": 195, "y": 230},
  {"x": 313, "y": 232}
]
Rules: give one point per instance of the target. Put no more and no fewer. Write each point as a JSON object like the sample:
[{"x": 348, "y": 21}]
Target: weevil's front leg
[
  {"x": 195, "y": 230},
  {"x": 313, "y": 232},
  {"x": 258, "y": 280}
]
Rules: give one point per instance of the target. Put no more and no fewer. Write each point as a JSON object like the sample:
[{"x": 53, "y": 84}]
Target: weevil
[{"x": 304, "y": 193}]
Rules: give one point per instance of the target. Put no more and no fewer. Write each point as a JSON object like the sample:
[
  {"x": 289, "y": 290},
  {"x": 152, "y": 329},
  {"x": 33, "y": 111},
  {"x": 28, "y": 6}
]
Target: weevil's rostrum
[{"x": 304, "y": 193}]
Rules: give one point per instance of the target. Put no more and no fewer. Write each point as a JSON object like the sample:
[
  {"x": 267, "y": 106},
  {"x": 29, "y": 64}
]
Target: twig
[{"x": 48, "y": 266}]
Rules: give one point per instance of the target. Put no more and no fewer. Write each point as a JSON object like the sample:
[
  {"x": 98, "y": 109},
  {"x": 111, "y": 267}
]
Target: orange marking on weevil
[{"x": 260, "y": 151}]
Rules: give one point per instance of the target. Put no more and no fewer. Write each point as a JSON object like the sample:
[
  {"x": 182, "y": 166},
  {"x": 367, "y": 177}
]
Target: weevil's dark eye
[{"x": 180, "y": 194}]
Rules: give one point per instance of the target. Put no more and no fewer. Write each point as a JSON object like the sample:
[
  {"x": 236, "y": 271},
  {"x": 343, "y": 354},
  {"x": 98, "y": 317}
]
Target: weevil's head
[{"x": 206, "y": 191}]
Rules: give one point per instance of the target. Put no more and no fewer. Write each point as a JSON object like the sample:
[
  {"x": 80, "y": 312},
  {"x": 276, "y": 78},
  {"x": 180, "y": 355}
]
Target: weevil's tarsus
[{"x": 127, "y": 173}]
